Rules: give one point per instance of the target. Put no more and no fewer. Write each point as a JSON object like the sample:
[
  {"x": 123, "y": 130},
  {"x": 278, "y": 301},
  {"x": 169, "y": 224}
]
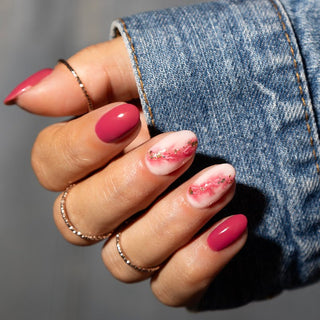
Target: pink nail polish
[
  {"x": 171, "y": 152},
  {"x": 227, "y": 232},
  {"x": 117, "y": 122},
  {"x": 211, "y": 186},
  {"x": 26, "y": 84}
]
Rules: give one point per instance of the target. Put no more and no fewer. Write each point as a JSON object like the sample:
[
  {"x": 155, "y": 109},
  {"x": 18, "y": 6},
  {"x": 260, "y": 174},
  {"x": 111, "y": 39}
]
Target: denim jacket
[{"x": 244, "y": 76}]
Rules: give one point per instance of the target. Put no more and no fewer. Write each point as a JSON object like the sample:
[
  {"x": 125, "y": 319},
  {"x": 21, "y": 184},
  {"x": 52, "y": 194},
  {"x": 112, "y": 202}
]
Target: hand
[{"x": 118, "y": 177}]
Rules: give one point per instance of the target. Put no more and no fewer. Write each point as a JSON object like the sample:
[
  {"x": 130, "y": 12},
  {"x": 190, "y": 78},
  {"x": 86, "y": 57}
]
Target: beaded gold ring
[
  {"x": 71, "y": 227},
  {"x": 129, "y": 262},
  {"x": 85, "y": 92}
]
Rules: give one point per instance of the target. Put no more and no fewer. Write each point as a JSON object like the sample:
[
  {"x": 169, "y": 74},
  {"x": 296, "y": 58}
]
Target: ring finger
[{"x": 169, "y": 224}]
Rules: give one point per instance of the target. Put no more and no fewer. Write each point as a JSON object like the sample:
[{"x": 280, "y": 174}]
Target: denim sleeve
[{"x": 244, "y": 76}]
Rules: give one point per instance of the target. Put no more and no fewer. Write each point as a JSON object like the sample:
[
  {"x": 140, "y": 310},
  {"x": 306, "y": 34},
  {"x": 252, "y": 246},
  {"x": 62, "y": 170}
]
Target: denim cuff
[{"x": 232, "y": 72}]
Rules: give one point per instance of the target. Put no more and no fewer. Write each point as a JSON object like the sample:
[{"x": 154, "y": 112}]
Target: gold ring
[
  {"x": 71, "y": 227},
  {"x": 129, "y": 262},
  {"x": 85, "y": 92}
]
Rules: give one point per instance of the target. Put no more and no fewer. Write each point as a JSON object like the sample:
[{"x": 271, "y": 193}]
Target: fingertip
[
  {"x": 101, "y": 72},
  {"x": 57, "y": 94},
  {"x": 26, "y": 85}
]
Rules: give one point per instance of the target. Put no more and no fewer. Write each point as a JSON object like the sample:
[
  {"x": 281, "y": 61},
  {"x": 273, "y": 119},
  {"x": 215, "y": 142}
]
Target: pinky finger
[{"x": 189, "y": 272}]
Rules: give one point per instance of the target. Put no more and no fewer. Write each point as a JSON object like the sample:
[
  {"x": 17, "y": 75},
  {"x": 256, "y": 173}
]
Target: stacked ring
[
  {"x": 129, "y": 262},
  {"x": 71, "y": 227},
  {"x": 63, "y": 209}
]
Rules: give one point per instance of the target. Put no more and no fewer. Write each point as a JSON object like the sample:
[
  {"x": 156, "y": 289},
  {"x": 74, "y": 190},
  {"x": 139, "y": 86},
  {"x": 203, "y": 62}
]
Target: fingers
[
  {"x": 104, "y": 69},
  {"x": 189, "y": 272},
  {"x": 100, "y": 203},
  {"x": 171, "y": 223},
  {"x": 66, "y": 152}
]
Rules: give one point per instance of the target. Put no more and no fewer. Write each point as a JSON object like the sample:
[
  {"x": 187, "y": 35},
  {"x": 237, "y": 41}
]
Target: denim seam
[
  {"x": 125, "y": 29},
  {"x": 298, "y": 78}
]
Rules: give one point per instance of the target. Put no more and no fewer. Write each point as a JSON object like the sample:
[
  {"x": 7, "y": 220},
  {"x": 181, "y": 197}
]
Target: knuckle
[
  {"x": 40, "y": 158},
  {"x": 72, "y": 153},
  {"x": 90, "y": 51},
  {"x": 56, "y": 146},
  {"x": 162, "y": 295},
  {"x": 37, "y": 165},
  {"x": 166, "y": 296},
  {"x": 116, "y": 265},
  {"x": 192, "y": 270},
  {"x": 116, "y": 188},
  {"x": 177, "y": 292},
  {"x": 190, "y": 276}
]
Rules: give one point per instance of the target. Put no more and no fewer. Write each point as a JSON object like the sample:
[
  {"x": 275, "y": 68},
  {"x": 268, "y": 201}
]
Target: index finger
[{"x": 104, "y": 69}]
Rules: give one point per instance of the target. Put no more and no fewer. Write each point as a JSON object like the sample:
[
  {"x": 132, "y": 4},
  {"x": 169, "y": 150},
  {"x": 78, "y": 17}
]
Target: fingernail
[
  {"x": 171, "y": 152},
  {"x": 227, "y": 232},
  {"x": 26, "y": 84},
  {"x": 117, "y": 122},
  {"x": 211, "y": 186}
]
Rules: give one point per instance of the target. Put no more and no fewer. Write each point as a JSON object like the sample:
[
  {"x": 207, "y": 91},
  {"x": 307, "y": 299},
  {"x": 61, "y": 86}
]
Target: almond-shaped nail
[
  {"x": 211, "y": 186},
  {"x": 227, "y": 232},
  {"x": 117, "y": 122},
  {"x": 26, "y": 84},
  {"x": 172, "y": 152}
]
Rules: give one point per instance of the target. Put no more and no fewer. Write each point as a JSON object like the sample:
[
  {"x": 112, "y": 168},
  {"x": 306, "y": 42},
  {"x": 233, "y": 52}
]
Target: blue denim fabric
[
  {"x": 245, "y": 78},
  {"x": 305, "y": 18}
]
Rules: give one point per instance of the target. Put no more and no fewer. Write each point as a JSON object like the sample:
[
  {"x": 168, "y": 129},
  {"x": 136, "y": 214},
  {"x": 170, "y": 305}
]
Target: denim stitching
[
  {"x": 138, "y": 71},
  {"x": 299, "y": 83}
]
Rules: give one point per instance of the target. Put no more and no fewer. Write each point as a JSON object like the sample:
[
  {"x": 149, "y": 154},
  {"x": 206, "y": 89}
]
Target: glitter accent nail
[
  {"x": 210, "y": 186},
  {"x": 171, "y": 152}
]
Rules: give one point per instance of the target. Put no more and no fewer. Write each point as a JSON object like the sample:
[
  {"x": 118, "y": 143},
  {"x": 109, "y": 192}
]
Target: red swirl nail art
[
  {"x": 211, "y": 186},
  {"x": 171, "y": 152}
]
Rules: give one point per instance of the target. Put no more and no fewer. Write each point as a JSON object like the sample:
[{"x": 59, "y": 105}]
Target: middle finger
[
  {"x": 170, "y": 224},
  {"x": 66, "y": 152},
  {"x": 127, "y": 185}
]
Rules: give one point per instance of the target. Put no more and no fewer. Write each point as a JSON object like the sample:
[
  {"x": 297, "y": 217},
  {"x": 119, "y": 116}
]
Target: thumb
[{"x": 104, "y": 69}]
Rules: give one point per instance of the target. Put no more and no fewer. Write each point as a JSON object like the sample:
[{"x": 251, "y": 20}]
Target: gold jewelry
[
  {"x": 63, "y": 211},
  {"x": 128, "y": 261},
  {"x": 85, "y": 92}
]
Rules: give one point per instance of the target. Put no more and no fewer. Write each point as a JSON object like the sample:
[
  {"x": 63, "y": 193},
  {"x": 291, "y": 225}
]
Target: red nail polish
[
  {"x": 117, "y": 122},
  {"x": 227, "y": 232},
  {"x": 26, "y": 84}
]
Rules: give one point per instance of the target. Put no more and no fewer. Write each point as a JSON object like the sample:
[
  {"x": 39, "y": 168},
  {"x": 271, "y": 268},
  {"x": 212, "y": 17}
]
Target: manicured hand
[{"x": 120, "y": 177}]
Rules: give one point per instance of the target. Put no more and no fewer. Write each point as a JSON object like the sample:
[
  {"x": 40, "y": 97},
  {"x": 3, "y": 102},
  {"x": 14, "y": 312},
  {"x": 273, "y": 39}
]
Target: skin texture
[{"x": 117, "y": 179}]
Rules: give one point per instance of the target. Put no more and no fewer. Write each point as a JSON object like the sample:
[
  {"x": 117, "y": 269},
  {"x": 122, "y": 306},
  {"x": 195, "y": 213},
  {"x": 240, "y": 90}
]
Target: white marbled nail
[
  {"x": 172, "y": 152},
  {"x": 209, "y": 187}
]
